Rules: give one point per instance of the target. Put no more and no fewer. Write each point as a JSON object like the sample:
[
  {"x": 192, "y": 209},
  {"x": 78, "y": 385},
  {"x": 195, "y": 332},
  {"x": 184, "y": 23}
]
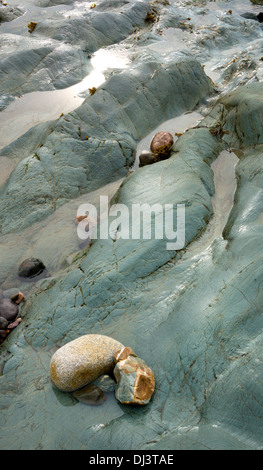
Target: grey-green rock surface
[
  {"x": 194, "y": 315},
  {"x": 118, "y": 115},
  {"x": 8, "y": 13}
]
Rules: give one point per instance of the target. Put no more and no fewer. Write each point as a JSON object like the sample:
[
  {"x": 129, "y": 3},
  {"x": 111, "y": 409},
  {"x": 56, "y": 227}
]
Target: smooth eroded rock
[
  {"x": 83, "y": 360},
  {"x": 8, "y": 310},
  {"x": 135, "y": 380},
  {"x": 31, "y": 267}
]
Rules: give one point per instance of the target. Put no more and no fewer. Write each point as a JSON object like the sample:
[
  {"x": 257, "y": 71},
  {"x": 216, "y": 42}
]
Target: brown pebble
[
  {"x": 162, "y": 143},
  {"x": 90, "y": 395},
  {"x": 13, "y": 325},
  {"x": 18, "y": 298}
]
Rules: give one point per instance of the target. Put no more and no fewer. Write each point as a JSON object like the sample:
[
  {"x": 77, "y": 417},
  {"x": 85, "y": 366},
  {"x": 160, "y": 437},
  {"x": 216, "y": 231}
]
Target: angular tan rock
[
  {"x": 83, "y": 360},
  {"x": 18, "y": 298},
  {"x": 135, "y": 380},
  {"x": 124, "y": 353}
]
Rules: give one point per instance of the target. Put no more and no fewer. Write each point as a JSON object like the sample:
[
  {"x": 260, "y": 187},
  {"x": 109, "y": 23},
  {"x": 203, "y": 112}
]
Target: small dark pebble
[
  {"x": 3, "y": 323},
  {"x": 31, "y": 267},
  {"x": 146, "y": 158},
  {"x": 90, "y": 395},
  {"x": 3, "y": 334},
  {"x": 8, "y": 309}
]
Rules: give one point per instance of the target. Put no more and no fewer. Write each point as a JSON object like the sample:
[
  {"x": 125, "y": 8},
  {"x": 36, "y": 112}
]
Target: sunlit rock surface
[{"x": 195, "y": 315}]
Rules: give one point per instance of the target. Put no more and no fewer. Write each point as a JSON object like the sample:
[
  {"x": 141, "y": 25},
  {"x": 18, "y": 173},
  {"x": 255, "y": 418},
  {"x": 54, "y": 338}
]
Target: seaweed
[
  {"x": 92, "y": 90},
  {"x": 31, "y": 26},
  {"x": 151, "y": 16}
]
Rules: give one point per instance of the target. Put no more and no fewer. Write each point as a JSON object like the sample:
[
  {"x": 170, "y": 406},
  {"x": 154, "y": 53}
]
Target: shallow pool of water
[
  {"x": 41, "y": 106},
  {"x": 54, "y": 240},
  {"x": 223, "y": 200}
]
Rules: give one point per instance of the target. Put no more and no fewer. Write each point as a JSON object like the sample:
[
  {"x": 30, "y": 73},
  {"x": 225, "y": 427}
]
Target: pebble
[
  {"x": 8, "y": 309},
  {"x": 146, "y": 158},
  {"x": 90, "y": 395},
  {"x": 3, "y": 323},
  {"x": 31, "y": 267},
  {"x": 3, "y": 335},
  {"x": 13, "y": 325},
  {"x": 135, "y": 380},
  {"x": 105, "y": 383},
  {"x": 162, "y": 143},
  {"x": 18, "y": 298},
  {"x": 83, "y": 360}
]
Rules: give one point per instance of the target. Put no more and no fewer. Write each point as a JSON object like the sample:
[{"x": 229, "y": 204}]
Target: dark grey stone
[
  {"x": 31, "y": 267},
  {"x": 8, "y": 309}
]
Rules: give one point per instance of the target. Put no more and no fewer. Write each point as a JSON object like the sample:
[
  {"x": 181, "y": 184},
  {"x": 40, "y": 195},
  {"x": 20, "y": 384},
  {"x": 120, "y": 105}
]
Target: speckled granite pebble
[{"x": 83, "y": 360}]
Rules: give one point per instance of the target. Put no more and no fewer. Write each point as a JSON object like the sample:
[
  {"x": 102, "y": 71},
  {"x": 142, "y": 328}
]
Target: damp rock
[
  {"x": 162, "y": 143},
  {"x": 135, "y": 380},
  {"x": 146, "y": 158},
  {"x": 8, "y": 310},
  {"x": 31, "y": 267},
  {"x": 90, "y": 395},
  {"x": 80, "y": 362}
]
